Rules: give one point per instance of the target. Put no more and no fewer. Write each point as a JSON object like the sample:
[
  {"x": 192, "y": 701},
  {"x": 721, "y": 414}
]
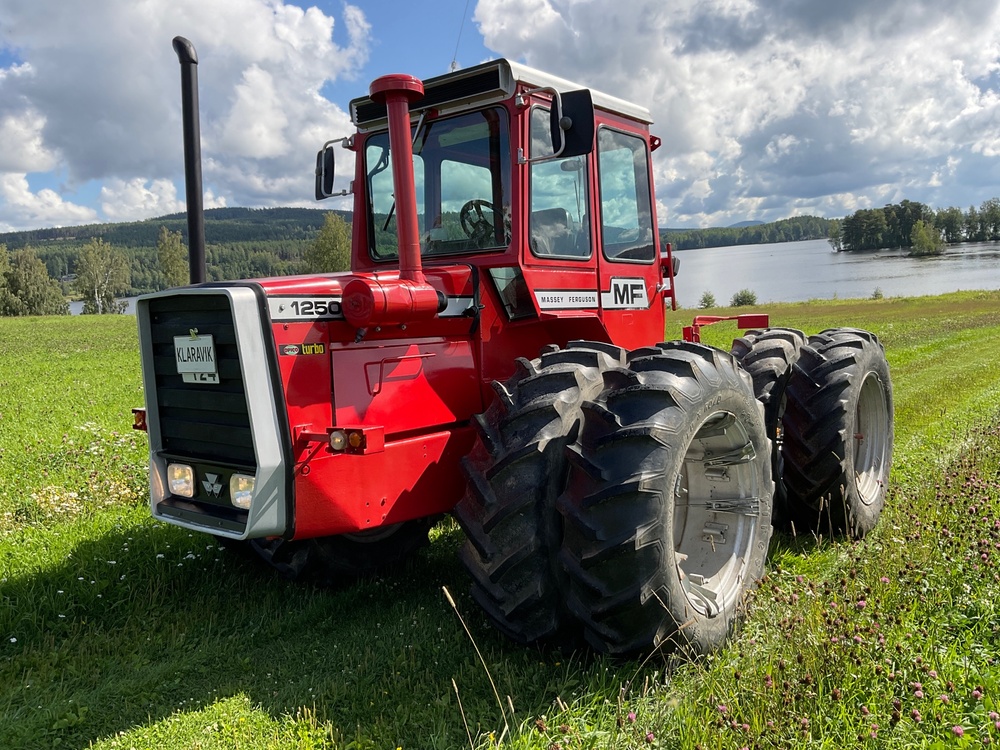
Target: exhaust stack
[
  {"x": 370, "y": 302},
  {"x": 188, "y": 59}
]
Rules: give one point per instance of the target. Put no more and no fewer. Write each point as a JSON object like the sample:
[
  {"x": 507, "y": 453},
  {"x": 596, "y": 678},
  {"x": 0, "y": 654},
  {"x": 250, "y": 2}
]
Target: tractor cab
[{"x": 544, "y": 188}]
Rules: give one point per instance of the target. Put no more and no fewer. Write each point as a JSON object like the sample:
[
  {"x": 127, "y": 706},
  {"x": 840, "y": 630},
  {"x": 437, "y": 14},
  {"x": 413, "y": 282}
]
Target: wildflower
[
  {"x": 13, "y": 640},
  {"x": 977, "y": 694},
  {"x": 884, "y": 579},
  {"x": 944, "y": 698},
  {"x": 860, "y": 604},
  {"x": 958, "y": 730},
  {"x": 650, "y": 737},
  {"x": 918, "y": 693},
  {"x": 722, "y": 708},
  {"x": 865, "y": 711}
]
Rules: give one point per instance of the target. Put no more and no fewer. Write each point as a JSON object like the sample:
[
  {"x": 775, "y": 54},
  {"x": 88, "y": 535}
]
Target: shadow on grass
[{"x": 148, "y": 620}]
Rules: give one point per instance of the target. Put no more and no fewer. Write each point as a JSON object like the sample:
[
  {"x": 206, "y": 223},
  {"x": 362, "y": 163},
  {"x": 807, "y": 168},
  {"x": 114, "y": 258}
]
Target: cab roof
[{"x": 492, "y": 81}]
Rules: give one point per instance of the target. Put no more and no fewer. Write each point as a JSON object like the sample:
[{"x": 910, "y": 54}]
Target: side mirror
[
  {"x": 324, "y": 172},
  {"x": 571, "y": 126},
  {"x": 675, "y": 262},
  {"x": 571, "y": 121}
]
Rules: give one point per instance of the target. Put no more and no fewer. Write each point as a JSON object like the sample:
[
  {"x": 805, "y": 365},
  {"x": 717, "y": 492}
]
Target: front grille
[{"x": 208, "y": 422}]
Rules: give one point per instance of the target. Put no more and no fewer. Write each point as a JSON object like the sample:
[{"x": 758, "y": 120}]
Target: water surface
[{"x": 798, "y": 271}]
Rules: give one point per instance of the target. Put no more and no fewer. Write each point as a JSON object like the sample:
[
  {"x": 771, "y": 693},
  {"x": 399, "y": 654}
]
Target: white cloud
[
  {"x": 21, "y": 208},
  {"x": 98, "y": 92},
  {"x": 23, "y": 147},
  {"x": 774, "y": 106},
  {"x": 138, "y": 198}
]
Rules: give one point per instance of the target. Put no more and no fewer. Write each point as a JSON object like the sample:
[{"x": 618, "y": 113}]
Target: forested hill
[
  {"x": 786, "y": 230},
  {"x": 222, "y": 225}
]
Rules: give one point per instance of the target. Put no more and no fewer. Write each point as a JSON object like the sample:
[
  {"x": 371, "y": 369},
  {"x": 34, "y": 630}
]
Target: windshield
[{"x": 461, "y": 171}]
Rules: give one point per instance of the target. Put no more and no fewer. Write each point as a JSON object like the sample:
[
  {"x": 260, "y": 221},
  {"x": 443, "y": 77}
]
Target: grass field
[{"x": 118, "y": 632}]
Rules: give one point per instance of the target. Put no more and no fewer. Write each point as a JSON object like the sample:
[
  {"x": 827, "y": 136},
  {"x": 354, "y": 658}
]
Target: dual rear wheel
[
  {"x": 627, "y": 497},
  {"x": 828, "y": 407}
]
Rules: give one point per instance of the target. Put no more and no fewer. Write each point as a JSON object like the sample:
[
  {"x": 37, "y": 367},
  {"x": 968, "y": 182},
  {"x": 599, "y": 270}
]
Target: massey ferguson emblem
[
  {"x": 625, "y": 294},
  {"x": 212, "y": 485}
]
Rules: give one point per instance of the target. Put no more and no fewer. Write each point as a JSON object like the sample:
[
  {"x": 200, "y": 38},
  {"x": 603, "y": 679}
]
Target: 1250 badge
[{"x": 304, "y": 308}]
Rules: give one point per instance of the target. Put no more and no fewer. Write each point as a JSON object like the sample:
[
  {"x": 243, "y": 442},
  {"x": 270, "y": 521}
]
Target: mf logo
[
  {"x": 625, "y": 294},
  {"x": 212, "y": 485}
]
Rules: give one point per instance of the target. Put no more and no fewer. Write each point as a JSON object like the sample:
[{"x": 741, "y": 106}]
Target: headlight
[
  {"x": 338, "y": 440},
  {"x": 180, "y": 480},
  {"x": 241, "y": 490}
]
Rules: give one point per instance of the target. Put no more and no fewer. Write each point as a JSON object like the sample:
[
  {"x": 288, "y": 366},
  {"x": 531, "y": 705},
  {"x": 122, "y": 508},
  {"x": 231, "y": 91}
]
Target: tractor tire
[
  {"x": 667, "y": 509},
  {"x": 839, "y": 433},
  {"x": 515, "y": 472},
  {"x": 768, "y": 355},
  {"x": 340, "y": 558}
]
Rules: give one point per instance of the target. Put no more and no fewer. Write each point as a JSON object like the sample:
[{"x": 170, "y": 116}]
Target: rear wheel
[
  {"x": 839, "y": 432},
  {"x": 667, "y": 508},
  {"x": 516, "y": 471},
  {"x": 768, "y": 355}
]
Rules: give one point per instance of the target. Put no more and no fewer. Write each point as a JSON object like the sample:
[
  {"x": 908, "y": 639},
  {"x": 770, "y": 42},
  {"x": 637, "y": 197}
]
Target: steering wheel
[{"x": 475, "y": 225}]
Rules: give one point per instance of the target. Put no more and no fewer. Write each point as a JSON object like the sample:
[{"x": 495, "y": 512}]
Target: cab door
[
  {"x": 558, "y": 258},
  {"x": 628, "y": 268}
]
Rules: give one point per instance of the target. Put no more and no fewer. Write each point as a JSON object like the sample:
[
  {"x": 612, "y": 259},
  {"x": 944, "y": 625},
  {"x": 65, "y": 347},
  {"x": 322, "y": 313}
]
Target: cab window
[
  {"x": 557, "y": 224},
  {"x": 461, "y": 170},
  {"x": 626, "y": 206}
]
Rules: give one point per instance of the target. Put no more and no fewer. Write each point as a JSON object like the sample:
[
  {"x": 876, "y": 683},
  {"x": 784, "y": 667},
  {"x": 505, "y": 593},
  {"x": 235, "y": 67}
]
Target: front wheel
[
  {"x": 839, "y": 432},
  {"x": 342, "y": 557},
  {"x": 668, "y": 505}
]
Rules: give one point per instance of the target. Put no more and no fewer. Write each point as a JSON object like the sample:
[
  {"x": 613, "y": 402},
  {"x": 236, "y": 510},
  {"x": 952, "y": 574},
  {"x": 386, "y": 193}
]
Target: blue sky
[{"x": 767, "y": 108}]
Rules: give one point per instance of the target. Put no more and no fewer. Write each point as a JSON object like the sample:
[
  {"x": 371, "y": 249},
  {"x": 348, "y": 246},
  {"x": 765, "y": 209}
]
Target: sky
[{"x": 767, "y": 108}]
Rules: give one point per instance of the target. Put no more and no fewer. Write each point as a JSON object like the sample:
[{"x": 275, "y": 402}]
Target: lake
[
  {"x": 75, "y": 308},
  {"x": 799, "y": 271}
]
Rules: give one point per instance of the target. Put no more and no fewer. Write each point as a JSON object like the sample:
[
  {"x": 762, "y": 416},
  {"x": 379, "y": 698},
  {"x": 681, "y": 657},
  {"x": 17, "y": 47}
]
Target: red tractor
[{"x": 495, "y": 353}]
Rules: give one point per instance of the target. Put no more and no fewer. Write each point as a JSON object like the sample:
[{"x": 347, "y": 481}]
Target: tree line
[
  {"x": 787, "y": 230},
  {"x": 915, "y": 225}
]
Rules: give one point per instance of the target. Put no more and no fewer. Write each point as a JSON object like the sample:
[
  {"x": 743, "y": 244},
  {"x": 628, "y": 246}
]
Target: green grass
[{"x": 118, "y": 632}]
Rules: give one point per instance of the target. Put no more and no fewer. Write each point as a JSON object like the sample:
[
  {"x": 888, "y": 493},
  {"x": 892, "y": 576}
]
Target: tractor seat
[{"x": 551, "y": 233}]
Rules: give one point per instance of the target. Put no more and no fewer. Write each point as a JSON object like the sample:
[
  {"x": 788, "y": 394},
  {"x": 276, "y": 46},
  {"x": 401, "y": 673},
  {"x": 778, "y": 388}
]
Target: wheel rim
[
  {"x": 716, "y": 514},
  {"x": 871, "y": 439}
]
